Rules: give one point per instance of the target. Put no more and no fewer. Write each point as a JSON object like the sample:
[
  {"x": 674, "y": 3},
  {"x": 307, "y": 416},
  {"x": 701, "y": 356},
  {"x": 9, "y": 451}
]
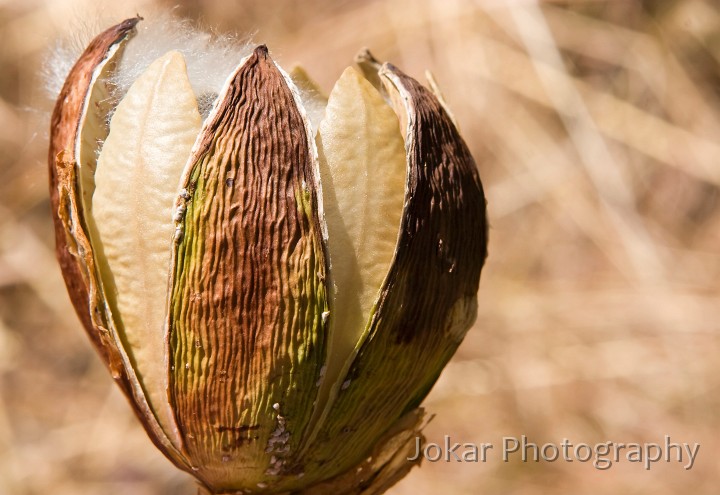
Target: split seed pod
[{"x": 275, "y": 289}]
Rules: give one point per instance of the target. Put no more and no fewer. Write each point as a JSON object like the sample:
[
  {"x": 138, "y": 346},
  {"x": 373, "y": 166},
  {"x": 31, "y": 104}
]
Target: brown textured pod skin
[
  {"x": 246, "y": 330},
  {"x": 73, "y": 248},
  {"x": 381, "y": 468}
]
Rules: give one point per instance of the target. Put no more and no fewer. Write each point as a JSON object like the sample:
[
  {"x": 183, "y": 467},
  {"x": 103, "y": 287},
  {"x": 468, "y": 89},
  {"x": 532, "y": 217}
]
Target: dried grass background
[{"x": 596, "y": 129}]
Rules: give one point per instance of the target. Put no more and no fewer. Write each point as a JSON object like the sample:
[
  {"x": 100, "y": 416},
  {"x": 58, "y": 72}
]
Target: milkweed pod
[{"x": 275, "y": 285}]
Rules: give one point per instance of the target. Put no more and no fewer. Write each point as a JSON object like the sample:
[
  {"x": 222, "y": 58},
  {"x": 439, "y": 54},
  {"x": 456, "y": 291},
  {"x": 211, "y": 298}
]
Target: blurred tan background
[{"x": 596, "y": 129}]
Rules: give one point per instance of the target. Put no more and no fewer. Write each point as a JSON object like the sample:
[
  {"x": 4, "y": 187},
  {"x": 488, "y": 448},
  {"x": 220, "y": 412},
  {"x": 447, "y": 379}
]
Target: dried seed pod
[{"x": 277, "y": 286}]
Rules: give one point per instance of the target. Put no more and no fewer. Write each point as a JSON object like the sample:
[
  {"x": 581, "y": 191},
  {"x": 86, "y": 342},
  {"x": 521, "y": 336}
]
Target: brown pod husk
[
  {"x": 62, "y": 161},
  {"x": 253, "y": 181}
]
